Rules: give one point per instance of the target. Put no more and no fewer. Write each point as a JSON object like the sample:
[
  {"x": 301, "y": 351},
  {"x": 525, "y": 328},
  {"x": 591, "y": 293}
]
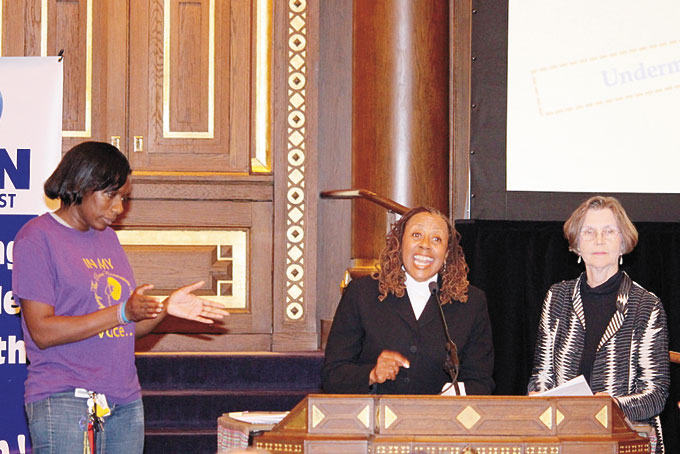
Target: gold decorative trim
[
  {"x": 262, "y": 162},
  {"x": 364, "y": 417},
  {"x": 543, "y": 450},
  {"x": 278, "y": 447},
  {"x": 258, "y": 167},
  {"x": 317, "y": 416},
  {"x": 1, "y": 10},
  {"x": 297, "y": 422},
  {"x": 43, "y": 28},
  {"x": 603, "y": 416},
  {"x": 405, "y": 448},
  {"x": 236, "y": 239},
  {"x": 210, "y": 133},
  {"x": 183, "y": 173},
  {"x": 448, "y": 448},
  {"x": 546, "y": 418},
  {"x": 634, "y": 448},
  {"x": 468, "y": 417},
  {"x": 372, "y": 264},
  {"x": 559, "y": 417},
  {"x": 390, "y": 417},
  {"x": 296, "y": 147}
]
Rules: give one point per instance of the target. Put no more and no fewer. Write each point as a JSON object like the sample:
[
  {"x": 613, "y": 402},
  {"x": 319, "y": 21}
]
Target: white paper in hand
[{"x": 449, "y": 390}]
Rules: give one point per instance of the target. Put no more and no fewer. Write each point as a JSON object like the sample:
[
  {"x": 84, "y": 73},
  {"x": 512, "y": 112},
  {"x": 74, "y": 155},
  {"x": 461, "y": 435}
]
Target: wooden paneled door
[
  {"x": 190, "y": 73},
  {"x": 170, "y": 83}
]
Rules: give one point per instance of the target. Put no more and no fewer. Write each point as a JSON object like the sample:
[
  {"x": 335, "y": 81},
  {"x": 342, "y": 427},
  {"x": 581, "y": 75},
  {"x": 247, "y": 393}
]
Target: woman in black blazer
[{"x": 387, "y": 335}]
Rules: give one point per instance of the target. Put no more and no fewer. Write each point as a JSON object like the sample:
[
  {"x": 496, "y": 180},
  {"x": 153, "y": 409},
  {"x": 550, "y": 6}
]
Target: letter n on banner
[{"x": 31, "y": 92}]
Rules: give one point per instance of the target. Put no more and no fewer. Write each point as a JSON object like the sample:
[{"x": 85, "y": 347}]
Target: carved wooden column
[{"x": 400, "y": 118}]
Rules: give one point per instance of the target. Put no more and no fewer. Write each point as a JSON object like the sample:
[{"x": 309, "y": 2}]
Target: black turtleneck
[{"x": 599, "y": 306}]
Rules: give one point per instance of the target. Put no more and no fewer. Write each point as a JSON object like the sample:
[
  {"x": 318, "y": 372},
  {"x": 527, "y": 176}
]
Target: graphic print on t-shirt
[{"x": 109, "y": 289}]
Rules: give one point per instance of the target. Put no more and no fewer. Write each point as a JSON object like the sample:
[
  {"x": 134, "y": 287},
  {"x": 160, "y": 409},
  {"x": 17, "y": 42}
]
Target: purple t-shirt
[{"x": 78, "y": 273}]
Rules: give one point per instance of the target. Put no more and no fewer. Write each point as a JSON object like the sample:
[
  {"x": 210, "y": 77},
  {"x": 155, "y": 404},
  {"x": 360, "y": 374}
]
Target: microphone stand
[{"x": 451, "y": 364}]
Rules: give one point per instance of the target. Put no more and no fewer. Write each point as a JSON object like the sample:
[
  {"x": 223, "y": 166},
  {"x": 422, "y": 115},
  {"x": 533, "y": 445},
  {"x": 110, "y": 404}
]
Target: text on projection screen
[{"x": 593, "y": 96}]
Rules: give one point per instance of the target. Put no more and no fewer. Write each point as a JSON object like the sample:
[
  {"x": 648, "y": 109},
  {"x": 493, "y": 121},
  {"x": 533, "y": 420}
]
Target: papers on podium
[
  {"x": 258, "y": 417},
  {"x": 449, "y": 390},
  {"x": 575, "y": 387}
]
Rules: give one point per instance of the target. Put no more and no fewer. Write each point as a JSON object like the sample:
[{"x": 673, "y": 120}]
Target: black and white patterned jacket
[{"x": 631, "y": 363}]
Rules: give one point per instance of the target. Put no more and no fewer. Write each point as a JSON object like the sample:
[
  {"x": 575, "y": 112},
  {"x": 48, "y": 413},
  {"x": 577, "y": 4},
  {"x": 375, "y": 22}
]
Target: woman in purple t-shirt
[{"x": 82, "y": 310}]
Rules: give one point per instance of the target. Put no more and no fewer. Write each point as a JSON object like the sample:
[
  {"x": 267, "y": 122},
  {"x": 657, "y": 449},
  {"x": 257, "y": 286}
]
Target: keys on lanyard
[
  {"x": 93, "y": 421},
  {"x": 97, "y": 408}
]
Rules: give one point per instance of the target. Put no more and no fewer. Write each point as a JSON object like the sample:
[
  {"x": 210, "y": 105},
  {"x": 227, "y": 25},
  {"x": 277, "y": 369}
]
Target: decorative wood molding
[
  {"x": 261, "y": 161},
  {"x": 169, "y": 14},
  {"x": 80, "y": 33},
  {"x": 296, "y": 148},
  {"x": 186, "y": 186},
  {"x": 295, "y": 175},
  {"x": 452, "y": 425},
  {"x": 218, "y": 256},
  {"x": 461, "y": 30}
]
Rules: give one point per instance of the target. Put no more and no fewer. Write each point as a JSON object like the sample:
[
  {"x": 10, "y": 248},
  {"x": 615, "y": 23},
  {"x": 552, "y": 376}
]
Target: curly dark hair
[{"x": 392, "y": 276}]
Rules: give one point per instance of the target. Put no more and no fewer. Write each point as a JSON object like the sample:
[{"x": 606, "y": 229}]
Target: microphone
[{"x": 451, "y": 364}]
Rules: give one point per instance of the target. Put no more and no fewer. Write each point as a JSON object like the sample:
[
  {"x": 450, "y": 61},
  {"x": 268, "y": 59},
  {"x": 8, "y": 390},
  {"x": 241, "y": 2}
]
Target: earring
[
  {"x": 621, "y": 259},
  {"x": 579, "y": 259}
]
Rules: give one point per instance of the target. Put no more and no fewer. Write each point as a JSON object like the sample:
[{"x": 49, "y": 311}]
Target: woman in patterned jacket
[{"x": 603, "y": 325}]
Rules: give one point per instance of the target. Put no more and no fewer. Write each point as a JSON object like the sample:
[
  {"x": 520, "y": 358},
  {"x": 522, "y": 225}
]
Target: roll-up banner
[{"x": 30, "y": 148}]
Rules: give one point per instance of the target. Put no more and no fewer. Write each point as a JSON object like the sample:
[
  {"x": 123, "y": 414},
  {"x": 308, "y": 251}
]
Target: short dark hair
[
  {"x": 85, "y": 168},
  {"x": 572, "y": 227}
]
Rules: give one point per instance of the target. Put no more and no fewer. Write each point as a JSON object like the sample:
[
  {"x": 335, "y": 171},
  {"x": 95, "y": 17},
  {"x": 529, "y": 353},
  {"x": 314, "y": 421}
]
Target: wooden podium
[{"x": 348, "y": 424}]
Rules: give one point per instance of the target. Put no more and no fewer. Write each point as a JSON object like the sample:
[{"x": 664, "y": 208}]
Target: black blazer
[{"x": 363, "y": 327}]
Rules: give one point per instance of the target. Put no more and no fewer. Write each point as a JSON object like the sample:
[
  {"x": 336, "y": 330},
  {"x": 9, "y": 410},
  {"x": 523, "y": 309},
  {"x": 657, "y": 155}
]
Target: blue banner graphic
[{"x": 30, "y": 149}]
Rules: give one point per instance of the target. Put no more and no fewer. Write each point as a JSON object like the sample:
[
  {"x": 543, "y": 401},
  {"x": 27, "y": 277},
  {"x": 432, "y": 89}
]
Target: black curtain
[{"x": 516, "y": 262}]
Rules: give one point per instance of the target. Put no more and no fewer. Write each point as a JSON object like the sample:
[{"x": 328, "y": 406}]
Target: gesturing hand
[
  {"x": 184, "y": 304},
  {"x": 140, "y": 306},
  {"x": 387, "y": 366}
]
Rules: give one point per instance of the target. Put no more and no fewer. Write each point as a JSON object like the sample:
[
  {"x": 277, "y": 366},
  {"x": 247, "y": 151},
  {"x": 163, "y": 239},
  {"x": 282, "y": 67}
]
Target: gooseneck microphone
[{"x": 451, "y": 364}]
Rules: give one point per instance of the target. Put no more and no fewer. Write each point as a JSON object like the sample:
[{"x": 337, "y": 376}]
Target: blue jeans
[{"x": 54, "y": 424}]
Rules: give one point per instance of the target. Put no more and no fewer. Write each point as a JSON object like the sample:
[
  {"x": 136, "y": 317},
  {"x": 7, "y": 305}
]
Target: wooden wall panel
[
  {"x": 20, "y": 28},
  {"x": 198, "y": 182},
  {"x": 168, "y": 266},
  {"x": 93, "y": 36},
  {"x": 190, "y": 79},
  {"x": 195, "y": 213},
  {"x": 70, "y": 34},
  {"x": 208, "y": 187},
  {"x": 204, "y": 343}
]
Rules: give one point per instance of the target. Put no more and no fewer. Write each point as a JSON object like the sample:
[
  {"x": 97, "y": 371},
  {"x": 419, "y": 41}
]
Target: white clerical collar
[{"x": 418, "y": 293}]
